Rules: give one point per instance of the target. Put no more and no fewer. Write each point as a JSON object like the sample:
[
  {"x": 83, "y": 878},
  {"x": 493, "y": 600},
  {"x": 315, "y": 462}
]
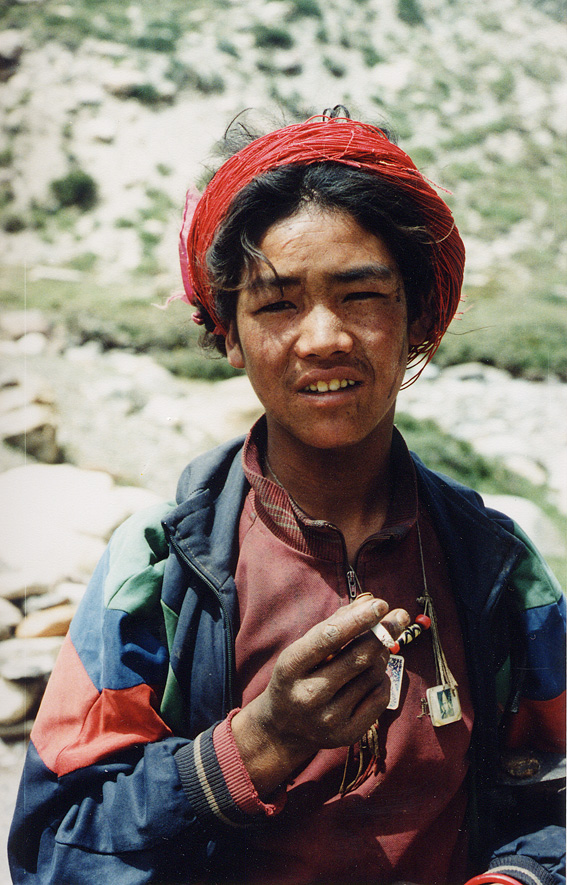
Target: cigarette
[{"x": 382, "y": 634}]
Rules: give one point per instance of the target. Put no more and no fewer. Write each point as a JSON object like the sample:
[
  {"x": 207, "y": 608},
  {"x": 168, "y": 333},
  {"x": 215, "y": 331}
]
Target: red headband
[{"x": 320, "y": 140}]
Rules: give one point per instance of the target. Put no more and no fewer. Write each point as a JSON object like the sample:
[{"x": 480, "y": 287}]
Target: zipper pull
[{"x": 352, "y": 584}]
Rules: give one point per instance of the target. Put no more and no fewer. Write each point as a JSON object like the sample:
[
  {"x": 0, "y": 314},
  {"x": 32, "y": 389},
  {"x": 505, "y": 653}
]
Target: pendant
[
  {"x": 444, "y": 705},
  {"x": 395, "y": 671}
]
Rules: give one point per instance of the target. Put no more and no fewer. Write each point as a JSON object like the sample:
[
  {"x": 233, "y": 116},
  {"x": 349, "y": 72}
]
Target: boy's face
[{"x": 326, "y": 346}]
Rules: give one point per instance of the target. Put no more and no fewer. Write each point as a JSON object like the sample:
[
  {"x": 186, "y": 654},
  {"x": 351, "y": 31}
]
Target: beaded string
[{"x": 443, "y": 673}]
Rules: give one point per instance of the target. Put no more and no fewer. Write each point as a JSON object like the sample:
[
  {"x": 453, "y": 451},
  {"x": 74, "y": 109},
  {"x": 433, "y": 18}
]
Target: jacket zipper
[
  {"x": 226, "y": 619},
  {"x": 352, "y": 583}
]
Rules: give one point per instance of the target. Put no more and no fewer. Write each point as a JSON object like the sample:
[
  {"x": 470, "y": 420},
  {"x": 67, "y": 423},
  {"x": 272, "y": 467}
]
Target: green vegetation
[
  {"x": 267, "y": 37},
  {"x": 304, "y": 9},
  {"x": 410, "y": 12},
  {"x": 113, "y": 317},
  {"x": 77, "y": 188}
]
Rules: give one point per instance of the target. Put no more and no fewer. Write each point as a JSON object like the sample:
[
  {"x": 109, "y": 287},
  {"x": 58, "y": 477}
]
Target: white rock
[
  {"x": 16, "y": 701},
  {"x": 32, "y": 429},
  {"x": 532, "y": 520},
  {"x": 66, "y": 592},
  {"x": 526, "y": 467},
  {"x": 56, "y": 519},
  {"x": 11, "y": 45},
  {"x": 32, "y": 344},
  {"x": 29, "y": 658},
  {"x": 10, "y": 617},
  {"x": 16, "y": 323},
  {"x": 48, "y": 622}
]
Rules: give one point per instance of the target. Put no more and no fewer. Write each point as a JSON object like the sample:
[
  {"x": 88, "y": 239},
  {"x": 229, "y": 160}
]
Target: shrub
[
  {"x": 334, "y": 67},
  {"x": 13, "y": 223},
  {"x": 410, "y": 12},
  {"x": 371, "y": 57},
  {"x": 77, "y": 188},
  {"x": 272, "y": 38},
  {"x": 304, "y": 9}
]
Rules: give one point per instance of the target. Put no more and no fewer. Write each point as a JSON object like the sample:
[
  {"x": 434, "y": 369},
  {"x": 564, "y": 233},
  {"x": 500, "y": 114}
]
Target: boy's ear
[
  {"x": 234, "y": 353},
  {"x": 419, "y": 328}
]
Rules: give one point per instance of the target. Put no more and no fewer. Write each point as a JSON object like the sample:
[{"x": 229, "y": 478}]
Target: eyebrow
[{"x": 371, "y": 271}]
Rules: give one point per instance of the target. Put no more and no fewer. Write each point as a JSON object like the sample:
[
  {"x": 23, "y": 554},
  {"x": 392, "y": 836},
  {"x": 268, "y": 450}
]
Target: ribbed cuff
[
  {"x": 525, "y": 869},
  {"x": 236, "y": 776},
  {"x": 207, "y": 789}
]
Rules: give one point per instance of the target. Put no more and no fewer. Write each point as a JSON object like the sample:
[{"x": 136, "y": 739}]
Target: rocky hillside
[{"x": 111, "y": 110}]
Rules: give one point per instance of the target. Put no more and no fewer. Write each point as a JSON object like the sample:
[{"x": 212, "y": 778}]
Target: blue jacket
[{"x": 121, "y": 782}]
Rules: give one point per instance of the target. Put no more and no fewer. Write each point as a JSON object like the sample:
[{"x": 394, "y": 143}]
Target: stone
[
  {"x": 22, "y": 659},
  {"x": 32, "y": 344},
  {"x": 16, "y": 393},
  {"x": 10, "y": 617},
  {"x": 48, "y": 622},
  {"x": 22, "y": 582},
  {"x": 11, "y": 48},
  {"x": 66, "y": 592},
  {"x": 534, "y": 522},
  {"x": 16, "y": 323},
  {"x": 16, "y": 702},
  {"x": 56, "y": 520},
  {"x": 33, "y": 429}
]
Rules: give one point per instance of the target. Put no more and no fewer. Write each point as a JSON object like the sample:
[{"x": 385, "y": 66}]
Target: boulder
[
  {"x": 47, "y": 622},
  {"x": 16, "y": 323},
  {"x": 32, "y": 428},
  {"x": 16, "y": 703},
  {"x": 22, "y": 659},
  {"x": 10, "y": 617},
  {"x": 55, "y": 522},
  {"x": 531, "y": 518}
]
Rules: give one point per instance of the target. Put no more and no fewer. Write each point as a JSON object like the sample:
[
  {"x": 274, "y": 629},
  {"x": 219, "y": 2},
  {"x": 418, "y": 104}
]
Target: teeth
[{"x": 333, "y": 384}]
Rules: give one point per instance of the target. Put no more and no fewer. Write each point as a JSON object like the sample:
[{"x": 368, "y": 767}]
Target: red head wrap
[{"x": 320, "y": 140}]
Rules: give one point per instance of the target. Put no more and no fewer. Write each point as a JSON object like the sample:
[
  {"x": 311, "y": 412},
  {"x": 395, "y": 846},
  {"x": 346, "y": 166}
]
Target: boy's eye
[
  {"x": 275, "y": 307},
  {"x": 363, "y": 296}
]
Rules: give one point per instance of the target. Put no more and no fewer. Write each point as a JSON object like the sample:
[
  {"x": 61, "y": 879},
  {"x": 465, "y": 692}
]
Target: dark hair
[{"x": 379, "y": 207}]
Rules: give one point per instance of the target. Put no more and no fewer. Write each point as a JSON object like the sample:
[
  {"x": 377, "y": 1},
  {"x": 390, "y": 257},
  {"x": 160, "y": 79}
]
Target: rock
[
  {"x": 11, "y": 48},
  {"x": 22, "y": 582},
  {"x": 16, "y": 323},
  {"x": 532, "y": 520},
  {"x": 526, "y": 467},
  {"x": 66, "y": 592},
  {"x": 48, "y": 622},
  {"x": 32, "y": 344},
  {"x": 56, "y": 520},
  {"x": 32, "y": 428},
  {"x": 15, "y": 395},
  {"x": 16, "y": 702},
  {"x": 22, "y": 659},
  {"x": 10, "y": 617},
  {"x": 103, "y": 130}
]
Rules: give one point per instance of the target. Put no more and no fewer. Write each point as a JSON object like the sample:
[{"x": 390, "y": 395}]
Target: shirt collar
[{"x": 280, "y": 513}]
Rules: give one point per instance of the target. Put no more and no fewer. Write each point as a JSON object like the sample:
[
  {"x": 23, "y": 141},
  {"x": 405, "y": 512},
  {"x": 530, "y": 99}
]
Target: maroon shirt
[{"x": 405, "y": 821}]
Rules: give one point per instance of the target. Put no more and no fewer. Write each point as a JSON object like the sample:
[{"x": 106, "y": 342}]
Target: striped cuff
[
  {"x": 524, "y": 869},
  {"x": 236, "y": 776},
  {"x": 205, "y": 786}
]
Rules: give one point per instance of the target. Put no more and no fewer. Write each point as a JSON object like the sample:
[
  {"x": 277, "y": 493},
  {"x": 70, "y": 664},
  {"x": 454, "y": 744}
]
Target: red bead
[{"x": 423, "y": 621}]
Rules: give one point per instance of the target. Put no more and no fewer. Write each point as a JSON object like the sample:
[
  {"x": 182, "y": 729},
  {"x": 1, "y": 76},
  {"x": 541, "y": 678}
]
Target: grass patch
[
  {"x": 87, "y": 311},
  {"x": 266, "y": 37},
  {"x": 522, "y": 335},
  {"x": 77, "y": 188}
]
